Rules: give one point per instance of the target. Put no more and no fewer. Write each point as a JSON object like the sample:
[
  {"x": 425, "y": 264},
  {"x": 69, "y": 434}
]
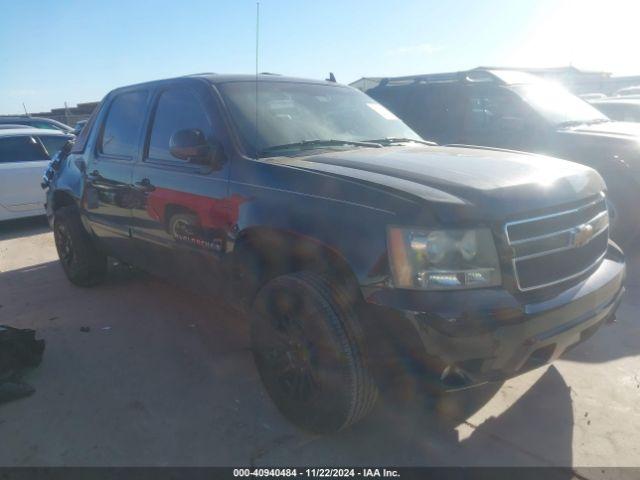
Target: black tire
[
  {"x": 309, "y": 349},
  {"x": 81, "y": 261}
]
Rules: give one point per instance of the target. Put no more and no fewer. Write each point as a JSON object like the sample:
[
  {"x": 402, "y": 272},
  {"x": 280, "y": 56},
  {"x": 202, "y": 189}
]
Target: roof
[
  {"x": 476, "y": 75},
  {"x": 18, "y": 118},
  {"x": 215, "y": 78},
  {"x": 15, "y": 132},
  {"x": 617, "y": 101},
  {"x": 568, "y": 70}
]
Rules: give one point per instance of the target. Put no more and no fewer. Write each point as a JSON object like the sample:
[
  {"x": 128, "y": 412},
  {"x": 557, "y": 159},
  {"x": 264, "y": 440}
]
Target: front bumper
[{"x": 488, "y": 335}]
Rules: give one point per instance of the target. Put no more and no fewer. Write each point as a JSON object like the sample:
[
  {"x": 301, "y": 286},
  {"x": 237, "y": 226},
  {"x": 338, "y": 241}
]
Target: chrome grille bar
[{"x": 578, "y": 232}]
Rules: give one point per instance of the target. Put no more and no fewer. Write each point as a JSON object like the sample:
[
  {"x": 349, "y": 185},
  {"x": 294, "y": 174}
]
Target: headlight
[{"x": 443, "y": 259}]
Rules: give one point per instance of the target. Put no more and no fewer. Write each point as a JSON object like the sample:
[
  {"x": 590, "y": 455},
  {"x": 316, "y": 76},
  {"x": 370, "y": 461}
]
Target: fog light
[{"x": 444, "y": 279}]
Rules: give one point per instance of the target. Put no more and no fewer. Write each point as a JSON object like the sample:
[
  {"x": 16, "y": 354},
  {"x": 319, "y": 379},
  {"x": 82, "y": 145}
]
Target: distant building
[{"x": 69, "y": 115}]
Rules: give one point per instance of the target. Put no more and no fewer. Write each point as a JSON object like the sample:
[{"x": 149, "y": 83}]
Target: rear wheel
[
  {"x": 309, "y": 349},
  {"x": 81, "y": 261}
]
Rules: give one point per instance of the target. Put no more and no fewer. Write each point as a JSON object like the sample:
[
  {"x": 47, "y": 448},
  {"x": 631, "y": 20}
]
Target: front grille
[{"x": 558, "y": 247}]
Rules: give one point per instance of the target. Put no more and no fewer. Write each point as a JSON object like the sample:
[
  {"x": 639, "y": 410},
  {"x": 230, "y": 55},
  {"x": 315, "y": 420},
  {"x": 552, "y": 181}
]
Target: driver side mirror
[{"x": 192, "y": 145}]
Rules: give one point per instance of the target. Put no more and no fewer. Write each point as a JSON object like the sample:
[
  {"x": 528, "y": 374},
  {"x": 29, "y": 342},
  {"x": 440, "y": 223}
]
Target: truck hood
[
  {"x": 621, "y": 130},
  {"x": 486, "y": 184}
]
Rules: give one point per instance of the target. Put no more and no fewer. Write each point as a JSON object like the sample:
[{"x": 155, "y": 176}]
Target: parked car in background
[
  {"x": 36, "y": 122},
  {"x": 619, "y": 108},
  {"x": 628, "y": 91},
  {"x": 24, "y": 155},
  {"x": 79, "y": 126},
  {"x": 360, "y": 251},
  {"x": 518, "y": 111}
]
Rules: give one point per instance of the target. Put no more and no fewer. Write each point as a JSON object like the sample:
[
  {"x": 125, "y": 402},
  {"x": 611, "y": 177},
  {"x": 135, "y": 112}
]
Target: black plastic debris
[{"x": 19, "y": 350}]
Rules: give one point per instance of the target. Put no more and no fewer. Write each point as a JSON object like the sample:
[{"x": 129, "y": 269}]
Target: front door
[
  {"x": 108, "y": 194},
  {"x": 180, "y": 222}
]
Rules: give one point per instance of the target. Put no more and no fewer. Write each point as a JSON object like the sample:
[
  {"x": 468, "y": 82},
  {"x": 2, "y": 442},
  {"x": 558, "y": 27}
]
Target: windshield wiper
[
  {"x": 318, "y": 143},
  {"x": 390, "y": 140}
]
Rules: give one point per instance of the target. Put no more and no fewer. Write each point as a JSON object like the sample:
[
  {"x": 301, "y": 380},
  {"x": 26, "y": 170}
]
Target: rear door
[
  {"x": 181, "y": 213},
  {"x": 109, "y": 167},
  {"x": 23, "y": 160}
]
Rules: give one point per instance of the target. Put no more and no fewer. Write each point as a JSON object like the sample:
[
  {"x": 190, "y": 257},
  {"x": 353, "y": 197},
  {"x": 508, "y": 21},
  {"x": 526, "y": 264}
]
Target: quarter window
[
  {"x": 122, "y": 127},
  {"x": 178, "y": 109},
  {"x": 53, "y": 144},
  {"x": 21, "y": 149}
]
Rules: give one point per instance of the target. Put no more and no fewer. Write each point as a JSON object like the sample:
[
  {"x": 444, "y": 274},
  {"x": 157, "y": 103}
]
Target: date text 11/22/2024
[{"x": 316, "y": 472}]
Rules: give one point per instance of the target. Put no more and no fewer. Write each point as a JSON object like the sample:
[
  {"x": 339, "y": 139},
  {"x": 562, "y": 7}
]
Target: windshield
[
  {"x": 557, "y": 105},
  {"x": 300, "y": 116}
]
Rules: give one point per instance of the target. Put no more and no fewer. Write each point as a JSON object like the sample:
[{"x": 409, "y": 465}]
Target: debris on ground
[
  {"x": 19, "y": 350},
  {"x": 85, "y": 329}
]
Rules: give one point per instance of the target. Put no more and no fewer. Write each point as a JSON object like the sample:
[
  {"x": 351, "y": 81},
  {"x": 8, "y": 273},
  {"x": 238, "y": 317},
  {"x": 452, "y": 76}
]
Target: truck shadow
[
  {"x": 23, "y": 227},
  {"x": 535, "y": 429},
  {"x": 620, "y": 339}
]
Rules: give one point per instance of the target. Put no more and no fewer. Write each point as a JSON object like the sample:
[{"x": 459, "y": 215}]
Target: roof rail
[
  {"x": 200, "y": 74},
  {"x": 474, "y": 75}
]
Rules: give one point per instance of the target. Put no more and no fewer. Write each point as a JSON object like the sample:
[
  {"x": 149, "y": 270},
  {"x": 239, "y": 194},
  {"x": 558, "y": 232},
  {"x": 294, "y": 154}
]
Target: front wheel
[
  {"x": 83, "y": 264},
  {"x": 309, "y": 350}
]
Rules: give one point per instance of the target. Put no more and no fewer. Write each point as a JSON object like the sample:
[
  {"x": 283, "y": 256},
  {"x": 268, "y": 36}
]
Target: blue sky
[{"x": 75, "y": 51}]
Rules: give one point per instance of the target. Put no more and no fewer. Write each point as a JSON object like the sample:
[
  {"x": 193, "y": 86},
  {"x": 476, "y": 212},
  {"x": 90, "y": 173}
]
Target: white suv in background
[{"x": 24, "y": 155}]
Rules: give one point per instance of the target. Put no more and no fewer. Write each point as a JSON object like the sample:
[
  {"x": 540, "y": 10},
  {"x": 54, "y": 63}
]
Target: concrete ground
[{"x": 164, "y": 377}]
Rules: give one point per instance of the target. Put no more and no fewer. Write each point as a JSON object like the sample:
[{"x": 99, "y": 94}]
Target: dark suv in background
[
  {"x": 359, "y": 251},
  {"x": 519, "y": 111}
]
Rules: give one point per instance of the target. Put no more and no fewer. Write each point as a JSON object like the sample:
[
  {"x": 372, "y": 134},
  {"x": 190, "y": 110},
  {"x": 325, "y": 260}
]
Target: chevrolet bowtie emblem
[{"x": 581, "y": 235}]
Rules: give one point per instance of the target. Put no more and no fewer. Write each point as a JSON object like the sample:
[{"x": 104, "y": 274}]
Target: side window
[
  {"x": 53, "y": 144},
  {"x": 46, "y": 125},
  {"x": 177, "y": 109},
  {"x": 83, "y": 137},
  {"x": 21, "y": 149},
  {"x": 493, "y": 110},
  {"x": 121, "y": 129},
  {"x": 436, "y": 111}
]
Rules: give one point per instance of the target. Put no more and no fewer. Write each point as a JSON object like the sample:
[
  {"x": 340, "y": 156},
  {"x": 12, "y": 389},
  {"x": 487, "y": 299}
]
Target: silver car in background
[{"x": 24, "y": 155}]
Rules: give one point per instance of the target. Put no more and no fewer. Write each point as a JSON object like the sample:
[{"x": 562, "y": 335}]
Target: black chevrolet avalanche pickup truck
[{"x": 357, "y": 250}]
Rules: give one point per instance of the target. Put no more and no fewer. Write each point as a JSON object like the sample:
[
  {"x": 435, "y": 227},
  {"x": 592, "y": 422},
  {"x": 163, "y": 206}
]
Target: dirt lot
[{"x": 164, "y": 377}]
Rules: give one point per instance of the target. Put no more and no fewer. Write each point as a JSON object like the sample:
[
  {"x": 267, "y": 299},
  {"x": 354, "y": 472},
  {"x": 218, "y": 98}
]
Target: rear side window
[
  {"x": 122, "y": 126},
  {"x": 21, "y": 149},
  {"x": 37, "y": 124},
  {"x": 52, "y": 143},
  {"x": 178, "y": 109},
  {"x": 81, "y": 140}
]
